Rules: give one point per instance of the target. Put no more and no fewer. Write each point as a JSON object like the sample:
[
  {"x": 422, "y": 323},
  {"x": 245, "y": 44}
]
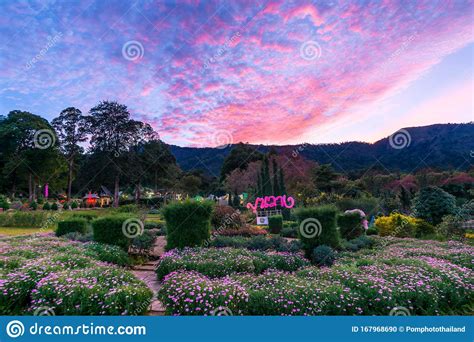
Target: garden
[{"x": 273, "y": 234}]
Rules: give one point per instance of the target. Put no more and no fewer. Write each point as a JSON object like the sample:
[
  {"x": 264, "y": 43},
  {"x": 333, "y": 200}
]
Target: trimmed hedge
[
  {"x": 350, "y": 225},
  {"x": 317, "y": 226},
  {"x": 188, "y": 223},
  {"x": 275, "y": 224},
  {"x": 72, "y": 225},
  {"x": 108, "y": 229}
]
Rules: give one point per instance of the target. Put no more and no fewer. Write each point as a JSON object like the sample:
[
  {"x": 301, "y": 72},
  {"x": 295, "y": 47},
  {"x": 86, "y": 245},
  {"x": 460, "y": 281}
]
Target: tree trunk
[
  {"x": 30, "y": 188},
  {"x": 34, "y": 189},
  {"x": 69, "y": 180},
  {"x": 116, "y": 191}
]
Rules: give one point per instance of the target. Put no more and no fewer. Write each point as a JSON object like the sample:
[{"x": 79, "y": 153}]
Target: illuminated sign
[{"x": 271, "y": 202}]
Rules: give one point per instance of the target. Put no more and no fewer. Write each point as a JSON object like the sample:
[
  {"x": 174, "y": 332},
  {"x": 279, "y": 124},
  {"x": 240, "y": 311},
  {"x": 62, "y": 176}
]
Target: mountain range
[{"x": 439, "y": 146}]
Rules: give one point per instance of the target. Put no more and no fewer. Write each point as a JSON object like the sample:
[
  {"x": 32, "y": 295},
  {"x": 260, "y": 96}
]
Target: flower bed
[
  {"x": 219, "y": 262},
  {"x": 425, "y": 277},
  {"x": 68, "y": 278}
]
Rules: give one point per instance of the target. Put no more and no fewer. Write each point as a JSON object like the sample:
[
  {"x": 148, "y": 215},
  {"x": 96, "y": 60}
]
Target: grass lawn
[{"x": 15, "y": 231}]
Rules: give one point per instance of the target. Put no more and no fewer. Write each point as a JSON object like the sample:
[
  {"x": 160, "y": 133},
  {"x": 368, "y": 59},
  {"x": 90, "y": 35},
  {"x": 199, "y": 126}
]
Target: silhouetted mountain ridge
[{"x": 439, "y": 146}]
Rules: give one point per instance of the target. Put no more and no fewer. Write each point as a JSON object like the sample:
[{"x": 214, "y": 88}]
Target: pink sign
[
  {"x": 271, "y": 202},
  {"x": 46, "y": 190}
]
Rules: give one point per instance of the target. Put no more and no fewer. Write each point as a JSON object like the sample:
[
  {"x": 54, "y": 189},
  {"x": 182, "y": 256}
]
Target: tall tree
[
  {"x": 29, "y": 152},
  {"x": 239, "y": 157},
  {"x": 276, "y": 184},
  {"x": 113, "y": 133},
  {"x": 71, "y": 129}
]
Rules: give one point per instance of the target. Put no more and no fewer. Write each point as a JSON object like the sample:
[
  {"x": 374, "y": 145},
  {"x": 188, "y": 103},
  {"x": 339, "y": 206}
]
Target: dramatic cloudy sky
[{"x": 207, "y": 72}]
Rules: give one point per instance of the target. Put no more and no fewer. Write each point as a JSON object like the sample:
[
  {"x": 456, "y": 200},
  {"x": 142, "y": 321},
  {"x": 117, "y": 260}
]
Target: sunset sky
[{"x": 272, "y": 72}]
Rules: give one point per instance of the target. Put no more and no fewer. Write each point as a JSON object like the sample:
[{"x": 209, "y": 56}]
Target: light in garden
[{"x": 271, "y": 202}]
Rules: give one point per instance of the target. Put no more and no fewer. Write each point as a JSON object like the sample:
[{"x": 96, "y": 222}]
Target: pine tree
[
  {"x": 282, "y": 186},
  {"x": 276, "y": 185},
  {"x": 267, "y": 185}
]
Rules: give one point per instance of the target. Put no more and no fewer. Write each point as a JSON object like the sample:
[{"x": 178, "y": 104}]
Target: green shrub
[
  {"x": 107, "y": 253},
  {"x": 289, "y": 232},
  {"x": 33, "y": 205},
  {"x": 275, "y": 224},
  {"x": 317, "y": 226},
  {"x": 66, "y": 206},
  {"x": 4, "y": 203},
  {"x": 188, "y": 223},
  {"x": 54, "y": 206},
  {"x": 372, "y": 231},
  {"x": 423, "y": 228},
  {"x": 261, "y": 243},
  {"x": 128, "y": 208},
  {"x": 290, "y": 224},
  {"x": 88, "y": 215},
  {"x": 46, "y": 206},
  {"x": 143, "y": 243},
  {"x": 109, "y": 230},
  {"x": 28, "y": 219},
  {"x": 432, "y": 203},
  {"x": 72, "y": 225},
  {"x": 74, "y": 205},
  {"x": 350, "y": 225},
  {"x": 323, "y": 256}
]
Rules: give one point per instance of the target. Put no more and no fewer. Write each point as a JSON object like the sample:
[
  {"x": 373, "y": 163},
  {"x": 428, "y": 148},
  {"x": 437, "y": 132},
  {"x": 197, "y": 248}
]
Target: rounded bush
[
  {"x": 432, "y": 203},
  {"x": 323, "y": 256},
  {"x": 46, "y": 206},
  {"x": 54, "y": 206}
]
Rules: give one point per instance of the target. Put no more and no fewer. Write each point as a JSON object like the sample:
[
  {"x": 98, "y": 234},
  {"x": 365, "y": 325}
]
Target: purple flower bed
[
  {"x": 425, "y": 277},
  {"x": 219, "y": 262},
  {"x": 66, "y": 277}
]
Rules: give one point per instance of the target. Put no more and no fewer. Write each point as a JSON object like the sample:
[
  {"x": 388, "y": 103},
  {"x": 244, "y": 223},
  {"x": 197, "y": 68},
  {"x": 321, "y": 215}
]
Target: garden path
[{"x": 146, "y": 273}]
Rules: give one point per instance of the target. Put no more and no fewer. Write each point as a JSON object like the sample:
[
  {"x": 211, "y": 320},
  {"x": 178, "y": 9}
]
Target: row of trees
[{"x": 119, "y": 149}]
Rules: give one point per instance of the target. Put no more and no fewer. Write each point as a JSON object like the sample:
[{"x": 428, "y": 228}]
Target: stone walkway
[{"x": 146, "y": 273}]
